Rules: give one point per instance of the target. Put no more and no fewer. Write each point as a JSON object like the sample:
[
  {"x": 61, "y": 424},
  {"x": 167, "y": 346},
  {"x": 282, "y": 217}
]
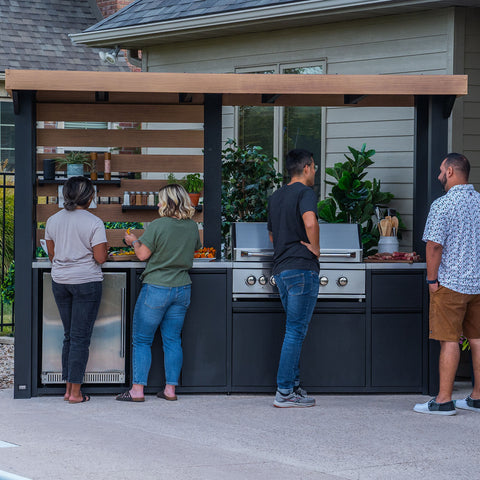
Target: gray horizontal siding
[
  {"x": 397, "y": 44},
  {"x": 471, "y": 110}
]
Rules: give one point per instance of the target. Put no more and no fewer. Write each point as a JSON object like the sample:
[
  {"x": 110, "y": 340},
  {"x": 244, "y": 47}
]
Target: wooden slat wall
[{"x": 125, "y": 138}]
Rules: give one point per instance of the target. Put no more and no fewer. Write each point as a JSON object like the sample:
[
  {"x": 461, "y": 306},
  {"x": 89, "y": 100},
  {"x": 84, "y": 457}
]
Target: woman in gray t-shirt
[{"x": 77, "y": 246}]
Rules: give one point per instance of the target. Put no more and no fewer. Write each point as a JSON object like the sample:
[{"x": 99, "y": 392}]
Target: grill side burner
[{"x": 342, "y": 275}]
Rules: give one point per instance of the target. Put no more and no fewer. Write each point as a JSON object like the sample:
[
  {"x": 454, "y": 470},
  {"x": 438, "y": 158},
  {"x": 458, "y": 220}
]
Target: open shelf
[
  {"x": 198, "y": 208},
  {"x": 61, "y": 181}
]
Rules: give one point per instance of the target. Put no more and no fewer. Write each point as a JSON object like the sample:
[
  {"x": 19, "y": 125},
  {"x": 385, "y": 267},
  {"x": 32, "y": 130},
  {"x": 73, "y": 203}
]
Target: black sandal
[{"x": 126, "y": 397}]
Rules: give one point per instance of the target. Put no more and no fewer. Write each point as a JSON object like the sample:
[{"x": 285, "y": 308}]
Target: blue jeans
[
  {"x": 298, "y": 292},
  {"x": 78, "y": 306},
  {"x": 165, "y": 307}
]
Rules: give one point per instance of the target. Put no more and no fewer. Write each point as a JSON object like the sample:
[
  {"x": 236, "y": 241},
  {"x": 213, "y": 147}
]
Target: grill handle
[
  {"x": 251, "y": 254},
  {"x": 338, "y": 255}
]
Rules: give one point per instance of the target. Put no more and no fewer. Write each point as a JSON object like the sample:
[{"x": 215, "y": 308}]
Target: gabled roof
[
  {"x": 150, "y": 11},
  {"x": 34, "y": 35},
  {"x": 151, "y": 22}
]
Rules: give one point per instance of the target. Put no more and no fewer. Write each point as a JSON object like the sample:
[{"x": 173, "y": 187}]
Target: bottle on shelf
[
  {"x": 138, "y": 198},
  {"x": 126, "y": 198},
  {"x": 144, "y": 198},
  {"x": 107, "y": 175},
  {"x": 93, "y": 166},
  {"x": 133, "y": 198}
]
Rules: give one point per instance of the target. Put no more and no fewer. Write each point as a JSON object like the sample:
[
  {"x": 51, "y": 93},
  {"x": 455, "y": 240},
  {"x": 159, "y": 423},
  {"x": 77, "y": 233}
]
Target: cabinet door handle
[{"x": 122, "y": 327}]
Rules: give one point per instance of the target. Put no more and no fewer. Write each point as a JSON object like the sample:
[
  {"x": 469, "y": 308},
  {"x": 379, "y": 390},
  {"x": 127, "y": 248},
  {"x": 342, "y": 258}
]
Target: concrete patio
[{"x": 236, "y": 437}]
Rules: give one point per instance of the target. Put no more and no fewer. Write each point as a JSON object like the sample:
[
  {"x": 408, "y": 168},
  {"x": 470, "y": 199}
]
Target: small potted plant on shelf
[
  {"x": 74, "y": 162},
  {"x": 193, "y": 184}
]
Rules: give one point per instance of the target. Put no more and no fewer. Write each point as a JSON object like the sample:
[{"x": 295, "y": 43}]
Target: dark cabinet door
[
  {"x": 397, "y": 350},
  {"x": 333, "y": 353},
  {"x": 257, "y": 341},
  {"x": 204, "y": 336}
]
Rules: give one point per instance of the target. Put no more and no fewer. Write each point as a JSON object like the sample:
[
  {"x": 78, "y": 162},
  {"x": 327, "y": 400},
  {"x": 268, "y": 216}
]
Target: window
[
  {"x": 279, "y": 129},
  {"x": 7, "y": 136}
]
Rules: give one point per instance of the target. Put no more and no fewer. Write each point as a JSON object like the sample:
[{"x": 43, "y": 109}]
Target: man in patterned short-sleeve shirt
[{"x": 452, "y": 234}]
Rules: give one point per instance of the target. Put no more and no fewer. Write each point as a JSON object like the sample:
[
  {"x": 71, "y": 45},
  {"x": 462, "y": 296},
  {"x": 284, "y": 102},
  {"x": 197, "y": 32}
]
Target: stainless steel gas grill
[{"x": 342, "y": 273}]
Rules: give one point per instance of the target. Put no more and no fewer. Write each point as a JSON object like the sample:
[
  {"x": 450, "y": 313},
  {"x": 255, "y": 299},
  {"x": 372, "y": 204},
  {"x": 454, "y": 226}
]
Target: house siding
[
  {"x": 471, "y": 106},
  {"x": 419, "y": 43}
]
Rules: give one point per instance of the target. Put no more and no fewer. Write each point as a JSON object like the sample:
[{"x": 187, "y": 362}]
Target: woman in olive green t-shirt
[{"x": 168, "y": 245}]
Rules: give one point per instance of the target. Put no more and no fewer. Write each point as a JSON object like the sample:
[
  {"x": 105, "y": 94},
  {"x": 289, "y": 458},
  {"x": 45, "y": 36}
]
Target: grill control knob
[
  {"x": 262, "y": 280},
  {"x": 323, "y": 281},
  {"x": 342, "y": 281},
  {"x": 250, "y": 280},
  {"x": 272, "y": 281}
]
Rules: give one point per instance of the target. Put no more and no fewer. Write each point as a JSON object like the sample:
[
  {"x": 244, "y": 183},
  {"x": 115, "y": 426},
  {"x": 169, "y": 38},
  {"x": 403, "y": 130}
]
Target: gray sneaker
[
  {"x": 300, "y": 391},
  {"x": 447, "y": 408},
  {"x": 292, "y": 400},
  {"x": 468, "y": 404}
]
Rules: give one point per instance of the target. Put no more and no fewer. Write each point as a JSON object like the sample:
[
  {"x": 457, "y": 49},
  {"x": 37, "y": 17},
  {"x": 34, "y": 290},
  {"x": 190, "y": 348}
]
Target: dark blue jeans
[
  {"x": 298, "y": 291},
  {"x": 78, "y": 306}
]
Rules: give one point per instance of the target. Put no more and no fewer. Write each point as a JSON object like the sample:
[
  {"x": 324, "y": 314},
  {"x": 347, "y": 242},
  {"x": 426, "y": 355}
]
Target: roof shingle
[
  {"x": 142, "y": 12},
  {"x": 34, "y": 35}
]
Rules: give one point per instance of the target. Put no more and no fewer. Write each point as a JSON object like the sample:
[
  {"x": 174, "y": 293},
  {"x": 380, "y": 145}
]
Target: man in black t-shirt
[{"x": 294, "y": 231}]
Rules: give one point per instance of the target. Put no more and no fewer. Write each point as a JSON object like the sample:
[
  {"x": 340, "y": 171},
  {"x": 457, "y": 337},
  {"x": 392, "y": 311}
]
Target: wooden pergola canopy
[{"x": 236, "y": 89}]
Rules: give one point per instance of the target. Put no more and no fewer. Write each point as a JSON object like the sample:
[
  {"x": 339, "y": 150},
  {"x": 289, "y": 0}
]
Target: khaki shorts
[{"x": 454, "y": 314}]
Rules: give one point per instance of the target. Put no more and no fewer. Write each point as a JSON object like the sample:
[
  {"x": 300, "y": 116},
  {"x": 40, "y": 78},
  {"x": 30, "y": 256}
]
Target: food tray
[
  {"x": 122, "y": 258},
  {"x": 203, "y": 259},
  {"x": 391, "y": 260}
]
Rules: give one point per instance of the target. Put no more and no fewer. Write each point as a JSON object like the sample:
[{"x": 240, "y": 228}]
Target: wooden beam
[
  {"x": 120, "y": 138},
  {"x": 148, "y": 82},
  {"x": 142, "y": 163},
  {"x": 321, "y": 100}
]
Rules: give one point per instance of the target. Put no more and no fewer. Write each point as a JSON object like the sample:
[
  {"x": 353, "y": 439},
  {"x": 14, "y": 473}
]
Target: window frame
[{"x": 279, "y": 112}]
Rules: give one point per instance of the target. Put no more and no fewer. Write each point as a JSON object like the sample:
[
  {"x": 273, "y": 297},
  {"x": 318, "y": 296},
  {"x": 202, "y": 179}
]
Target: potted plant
[
  {"x": 353, "y": 199},
  {"x": 74, "y": 162},
  {"x": 193, "y": 184},
  {"x": 248, "y": 179}
]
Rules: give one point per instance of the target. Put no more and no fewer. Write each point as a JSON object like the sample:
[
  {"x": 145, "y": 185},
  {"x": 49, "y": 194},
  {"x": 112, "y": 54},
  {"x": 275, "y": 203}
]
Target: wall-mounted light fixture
[{"x": 110, "y": 57}]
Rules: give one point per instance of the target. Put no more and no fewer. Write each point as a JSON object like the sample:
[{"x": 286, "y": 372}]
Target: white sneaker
[
  {"x": 468, "y": 404},
  {"x": 432, "y": 407}
]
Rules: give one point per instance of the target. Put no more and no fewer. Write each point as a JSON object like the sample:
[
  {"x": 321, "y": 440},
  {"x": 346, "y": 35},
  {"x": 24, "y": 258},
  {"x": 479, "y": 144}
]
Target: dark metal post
[
  {"x": 431, "y": 143},
  {"x": 25, "y": 123},
  {"x": 212, "y": 216}
]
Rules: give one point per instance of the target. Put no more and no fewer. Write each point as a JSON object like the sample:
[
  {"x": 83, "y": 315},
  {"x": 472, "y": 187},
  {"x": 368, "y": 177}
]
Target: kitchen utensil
[
  {"x": 385, "y": 227},
  {"x": 395, "y": 225}
]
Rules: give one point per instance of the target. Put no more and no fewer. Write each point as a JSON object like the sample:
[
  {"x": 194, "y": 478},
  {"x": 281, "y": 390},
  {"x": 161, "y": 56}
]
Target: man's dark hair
[
  {"x": 296, "y": 161},
  {"x": 459, "y": 163}
]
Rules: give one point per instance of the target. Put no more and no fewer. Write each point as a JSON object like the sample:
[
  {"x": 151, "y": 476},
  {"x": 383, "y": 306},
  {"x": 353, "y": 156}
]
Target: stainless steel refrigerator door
[{"x": 106, "y": 362}]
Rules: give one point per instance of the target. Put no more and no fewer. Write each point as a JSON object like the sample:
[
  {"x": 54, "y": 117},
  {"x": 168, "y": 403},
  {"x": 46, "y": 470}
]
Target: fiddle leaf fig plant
[
  {"x": 248, "y": 179},
  {"x": 353, "y": 199}
]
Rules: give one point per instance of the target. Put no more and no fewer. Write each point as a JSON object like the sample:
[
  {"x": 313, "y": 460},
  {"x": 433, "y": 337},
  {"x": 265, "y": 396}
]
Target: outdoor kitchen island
[
  {"x": 355, "y": 345},
  {"x": 379, "y": 344}
]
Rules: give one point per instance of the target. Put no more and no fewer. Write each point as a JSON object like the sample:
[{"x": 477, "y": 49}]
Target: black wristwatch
[{"x": 431, "y": 282}]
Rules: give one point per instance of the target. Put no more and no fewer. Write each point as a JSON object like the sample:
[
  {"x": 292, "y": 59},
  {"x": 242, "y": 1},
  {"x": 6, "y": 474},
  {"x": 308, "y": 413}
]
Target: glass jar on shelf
[
  {"x": 151, "y": 199},
  {"x": 138, "y": 198}
]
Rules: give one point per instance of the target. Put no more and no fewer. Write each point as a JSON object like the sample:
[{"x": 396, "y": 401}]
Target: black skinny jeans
[{"x": 78, "y": 306}]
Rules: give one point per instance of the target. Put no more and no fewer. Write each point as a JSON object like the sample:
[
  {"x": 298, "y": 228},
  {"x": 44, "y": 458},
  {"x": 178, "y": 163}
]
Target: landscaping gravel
[{"x": 6, "y": 365}]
